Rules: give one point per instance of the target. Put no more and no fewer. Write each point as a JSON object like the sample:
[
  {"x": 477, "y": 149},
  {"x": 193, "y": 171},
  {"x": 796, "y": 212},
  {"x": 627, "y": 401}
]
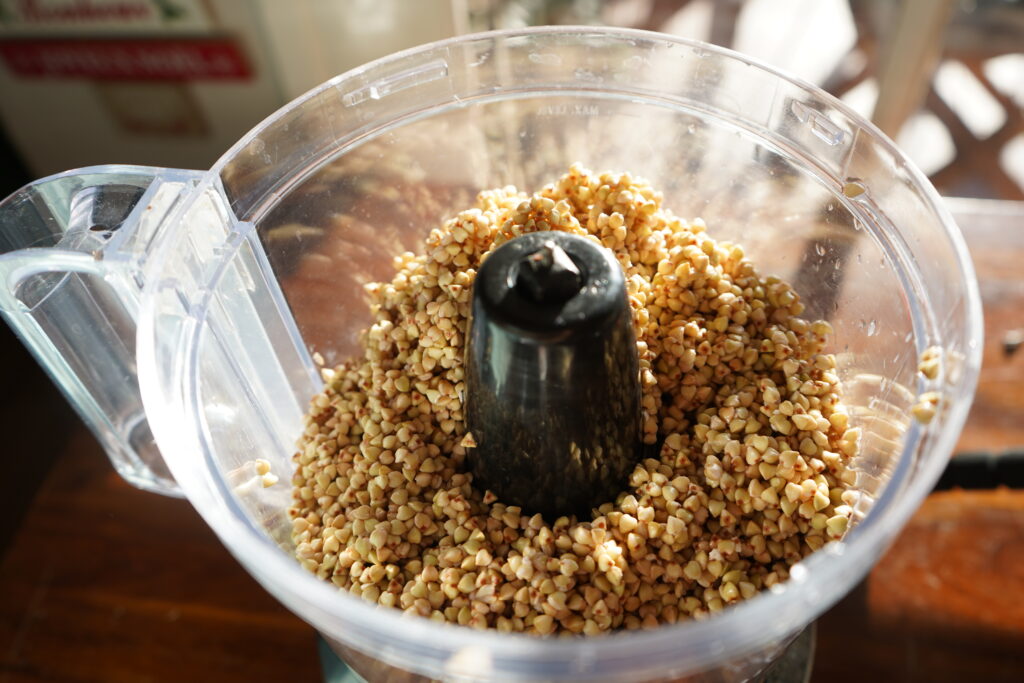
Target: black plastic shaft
[{"x": 552, "y": 385}]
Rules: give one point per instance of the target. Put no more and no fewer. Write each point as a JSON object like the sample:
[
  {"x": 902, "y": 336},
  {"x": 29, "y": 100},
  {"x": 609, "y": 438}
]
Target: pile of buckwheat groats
[{"x": 752, "y": 475}]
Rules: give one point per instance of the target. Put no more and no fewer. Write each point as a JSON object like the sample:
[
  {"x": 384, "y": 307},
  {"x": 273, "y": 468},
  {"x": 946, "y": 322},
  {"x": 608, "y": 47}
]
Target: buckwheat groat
[{"x": 752, "y": 474}]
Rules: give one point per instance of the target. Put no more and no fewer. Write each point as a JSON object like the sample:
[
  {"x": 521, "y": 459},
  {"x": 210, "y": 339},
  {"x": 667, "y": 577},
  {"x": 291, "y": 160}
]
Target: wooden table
[
  {"x": 946, "y": 603},
  {"x": 102, "y": 582}
]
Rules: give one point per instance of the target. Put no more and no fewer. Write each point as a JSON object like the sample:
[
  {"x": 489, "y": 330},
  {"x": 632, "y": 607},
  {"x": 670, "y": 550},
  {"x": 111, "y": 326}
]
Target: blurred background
[
  {"x": 176, "y": 82},
  {"x": 84, "y": 558}
]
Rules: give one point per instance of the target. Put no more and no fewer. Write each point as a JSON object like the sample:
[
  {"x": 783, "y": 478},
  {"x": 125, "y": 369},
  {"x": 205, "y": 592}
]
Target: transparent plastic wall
[
  {"x": 239, "y": 278},
  {"x": 366, "y": 167},
  {"x": 786, "y": 175}
]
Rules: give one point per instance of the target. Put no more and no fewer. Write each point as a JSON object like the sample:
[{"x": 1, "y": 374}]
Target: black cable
[{"x": 983, "y": 470}]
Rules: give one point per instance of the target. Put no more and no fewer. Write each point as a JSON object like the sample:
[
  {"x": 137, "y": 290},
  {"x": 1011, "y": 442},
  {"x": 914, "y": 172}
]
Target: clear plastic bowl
[{"x": 238, "y": 276}]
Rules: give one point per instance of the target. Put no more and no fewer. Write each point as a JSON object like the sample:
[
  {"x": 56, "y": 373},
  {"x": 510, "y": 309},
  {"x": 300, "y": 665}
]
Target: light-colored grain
[{"x": 752, "y": 474}]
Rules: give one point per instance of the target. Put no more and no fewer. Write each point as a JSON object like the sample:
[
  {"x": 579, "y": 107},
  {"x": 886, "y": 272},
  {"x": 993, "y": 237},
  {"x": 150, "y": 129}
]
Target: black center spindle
[
  {"x": 552, "y": 385},
  {"x": 548, "y": 275}
]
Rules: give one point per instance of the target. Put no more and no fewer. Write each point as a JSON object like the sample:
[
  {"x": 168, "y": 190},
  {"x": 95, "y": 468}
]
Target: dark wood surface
[
  {"x": 108, "y": 583},
  {"x": 101, "y": 582}
]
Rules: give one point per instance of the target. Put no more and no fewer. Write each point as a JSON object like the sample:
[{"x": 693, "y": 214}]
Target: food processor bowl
[{"x": 224, "y": 291}]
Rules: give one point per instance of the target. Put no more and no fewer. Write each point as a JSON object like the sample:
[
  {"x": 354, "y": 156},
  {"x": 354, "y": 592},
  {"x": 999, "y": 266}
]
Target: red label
[{"x": 145, "y": 60}]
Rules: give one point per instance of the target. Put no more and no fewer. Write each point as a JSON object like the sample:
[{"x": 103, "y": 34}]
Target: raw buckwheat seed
[{"x": 752, "y": 475}]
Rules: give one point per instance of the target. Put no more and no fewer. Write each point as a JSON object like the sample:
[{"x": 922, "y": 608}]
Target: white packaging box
[{"x": 176, "y": 82}]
